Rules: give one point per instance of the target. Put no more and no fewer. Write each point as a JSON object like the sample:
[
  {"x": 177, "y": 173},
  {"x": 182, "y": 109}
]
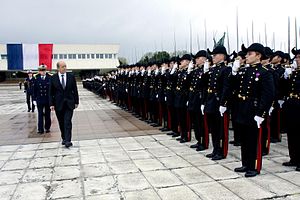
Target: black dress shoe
[
  {"x": 183, "y": 140},
  {"x": 32, "y": 111},
  {"x": 210, "y": 155},
  {"x": 48, "y": 131},
  {"x": 68, "y": 144},
  {"x": 264, "y": 153},
  {"x": 155, "y": 125},
  {"x": 170, "y": 133},
  {"x": 240, "y": 169},
  {"x": 200, "y": 148},
  {"x": 251, "y": 173},
  {"x": 40, "y": 132},
  {"x": 164, "y": 129},
  {"x": 63, "y": 142},
  {"x": 289, "y": 164},
  {"x": 178, "y": 139},
  {"x": 217, "y": 157},
  {"x": 28, "y": 110},
  {"x": 194, "y": 145},
  {"x": 273, "y": 140},
  {"x": 232, "y": 142},
  {"x": 176, "y": 135}
]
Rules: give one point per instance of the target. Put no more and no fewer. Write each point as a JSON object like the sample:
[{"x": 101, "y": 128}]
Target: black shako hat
[
  {"x": 295, "y": 51},
  {"x": 218, "y": 50},
  {"x": 279, "y": 53},
  {"x": 257, "y": 47},
  {"x": 186, "y": 57},
  {"x": 268, "y": 52},
  {"x": 201, "y": 53}
]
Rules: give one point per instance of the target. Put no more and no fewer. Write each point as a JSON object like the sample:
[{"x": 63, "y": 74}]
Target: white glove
[
  {"x": 206, "y": 67},
  {"x": 190, "y": 67},
  {"x": 175, "y": 66},
  {"x": 165, "y": 98},
  {"x": 187, "y": 103},
  {"x": 287, "y": 73},
  {"x": 258, "y": 120},
  {"x": 126, "y": 90},
  {"x": 281, "y": 102},
  {"x": 149, "y": 72},
  {"x": 236, "y": 66},
  {"x": 163, "y": 69},
  {"x": 222, "y": 110},
  {"x": 271, "y": 110},
  {"x": 157, "y": 96},
  {"x": 202, "y": 109},
  {"x": 34, "y": 103},
  {"x": 156, "y": 71},
  {"x": 294, "y": 65}
]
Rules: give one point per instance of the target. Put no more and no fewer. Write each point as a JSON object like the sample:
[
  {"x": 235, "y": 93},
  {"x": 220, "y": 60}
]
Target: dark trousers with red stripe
[
  {"x": 172, "y": 119},
  {"x": 197, "y": 122},
  {"x": 182, "y": 119},
  {"x": 214, "y": 125},
  {"x": 251, "y": 146},
  {"x": 265, "y": 136},
  {"x": 275, "y": 124}
]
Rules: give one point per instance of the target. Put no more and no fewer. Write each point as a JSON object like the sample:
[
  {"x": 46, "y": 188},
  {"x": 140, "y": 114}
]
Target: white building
[{"x": 77, "y": 56}]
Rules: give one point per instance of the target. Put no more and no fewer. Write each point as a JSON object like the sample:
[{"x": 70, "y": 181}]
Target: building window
[
  {"x": 74, "y": 56},
  {"x": 92, "y": 56},
  {"x": 55, "y": 56},
  {"x": 70, "y": 56},
  {"x": 3, "y": 56},
  {"x": 87, "y": 56},
  {"x": 61, "y": 56},
  {"x": 65, "y": 56},
  {"x": 79, "y": 56},
  {"x": 115, "y": 56},
  {"x": 97, "y": 56},
  {"x": 83, "y": 56},
  {"x": 101, "y": 56}
]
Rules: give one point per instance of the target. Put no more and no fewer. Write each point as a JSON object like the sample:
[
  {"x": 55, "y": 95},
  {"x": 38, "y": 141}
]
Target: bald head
[{"x": 61, "y": 67}]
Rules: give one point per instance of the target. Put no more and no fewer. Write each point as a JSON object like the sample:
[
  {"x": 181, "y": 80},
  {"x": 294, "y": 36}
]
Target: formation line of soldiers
[{"x": 257, "y": 89}]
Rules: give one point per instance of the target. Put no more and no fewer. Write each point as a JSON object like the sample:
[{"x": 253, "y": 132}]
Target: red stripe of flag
[{"x": 45, "y": 55}]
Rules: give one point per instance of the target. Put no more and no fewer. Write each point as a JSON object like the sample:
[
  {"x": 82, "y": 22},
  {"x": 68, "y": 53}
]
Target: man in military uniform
[
  {"x": 171, "y": 76},
  {"x": 196, "y": 90},
  {"x": 181, "y": 97},
  {"x": 278, "y": 70},
  {"x": 28, "y": 89},
  {"x": 266, "y": 129},
  {"x": 217, "y": 119},
  {"x": 41, "y": 99},
  {"x": 256, "y": 94},
  {"x": 292, "y": 111}
]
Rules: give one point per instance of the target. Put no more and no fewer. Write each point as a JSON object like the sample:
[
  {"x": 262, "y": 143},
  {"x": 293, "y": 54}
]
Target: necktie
[
  {"x": 63, "y": 81},
  {"x": 43, "y": 77}
]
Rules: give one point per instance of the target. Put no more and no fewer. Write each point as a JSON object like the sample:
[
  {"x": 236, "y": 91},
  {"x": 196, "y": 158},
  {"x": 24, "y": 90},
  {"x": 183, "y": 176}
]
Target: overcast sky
[{"x": 140, "y": 26}]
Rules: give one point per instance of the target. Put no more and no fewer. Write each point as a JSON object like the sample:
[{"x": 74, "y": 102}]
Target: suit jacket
[{"x": 59, "y": 96}]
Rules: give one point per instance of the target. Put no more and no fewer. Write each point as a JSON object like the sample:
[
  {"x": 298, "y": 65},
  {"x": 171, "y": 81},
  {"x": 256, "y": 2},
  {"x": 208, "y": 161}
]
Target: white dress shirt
[{"x": 65, "y": 78}]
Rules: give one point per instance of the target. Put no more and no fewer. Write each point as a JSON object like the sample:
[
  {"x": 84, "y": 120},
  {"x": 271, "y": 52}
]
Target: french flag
[{"x": 29, "y": 56}]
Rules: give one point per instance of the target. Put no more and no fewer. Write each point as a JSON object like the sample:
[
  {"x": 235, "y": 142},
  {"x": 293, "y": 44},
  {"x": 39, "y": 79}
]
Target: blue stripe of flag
[{"x": 14, "y": 56}]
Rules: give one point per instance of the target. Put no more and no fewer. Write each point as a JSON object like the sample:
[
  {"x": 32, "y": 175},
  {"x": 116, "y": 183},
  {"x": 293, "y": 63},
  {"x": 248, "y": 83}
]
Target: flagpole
[
  {"x": 237, "y": 30},
  {"x": 266, "y": 39},
  {"x": 228, "y": 46},
  {"x": 198, "y": 42},
  {"x": 252, "y": 32},
  {"x": 289, "y": 35},
  {"x": 205, "y": 33},
  {"x": 191, "y": 38},
  {"x": 174, "y": 43},
  {"x": 296, "y": 41}
]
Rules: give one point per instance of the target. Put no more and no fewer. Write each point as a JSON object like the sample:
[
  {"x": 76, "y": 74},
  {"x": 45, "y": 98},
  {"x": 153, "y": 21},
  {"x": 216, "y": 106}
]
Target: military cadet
[
  {"x": 241, "y": 56},
  {"x": 277, "y": 61},
  {"x": 28, "y": 89},
  {"x": 266, "y": 130},
  {"x": 162, "y": 84},
  {"x": 171, "y": 76},
  {"x": 41, "y": 99},
  {"x": 292, "y": 111},
  {"x": 217, "y": 119},
  {"x": 181, "y": 97},
  {"x": 256, "y": 94},
  {"x": 194, "y": 102}
]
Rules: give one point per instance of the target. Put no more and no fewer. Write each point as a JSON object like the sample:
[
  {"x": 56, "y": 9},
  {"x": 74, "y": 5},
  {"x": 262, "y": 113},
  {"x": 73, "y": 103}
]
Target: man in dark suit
[{"x": 64, "y": 99}]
